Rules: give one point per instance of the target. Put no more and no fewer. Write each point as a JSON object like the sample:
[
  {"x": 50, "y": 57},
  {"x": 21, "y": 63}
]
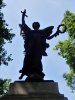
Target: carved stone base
[{"x": 47, "y": 90}]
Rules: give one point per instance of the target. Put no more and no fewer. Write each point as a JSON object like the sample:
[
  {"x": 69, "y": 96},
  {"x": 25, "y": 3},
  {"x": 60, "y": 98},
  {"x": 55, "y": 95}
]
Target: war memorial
[{"x": 34, "y": 87}]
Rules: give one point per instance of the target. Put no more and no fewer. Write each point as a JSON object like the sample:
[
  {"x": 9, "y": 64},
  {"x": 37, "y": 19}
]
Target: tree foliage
[
  {"x": 4, "y": 86},
  {"x": 66, "y": 48},
  {"x": 5, "y": 35}
]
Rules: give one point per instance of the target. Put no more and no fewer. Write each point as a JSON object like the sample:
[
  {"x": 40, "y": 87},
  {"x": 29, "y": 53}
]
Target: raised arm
[
  {"x": 58, "y": 31},
  {"x": 23, "y": 26}
]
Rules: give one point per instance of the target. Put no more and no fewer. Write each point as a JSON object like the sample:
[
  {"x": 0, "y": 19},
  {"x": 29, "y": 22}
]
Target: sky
[{"x": 47, "y": 13}]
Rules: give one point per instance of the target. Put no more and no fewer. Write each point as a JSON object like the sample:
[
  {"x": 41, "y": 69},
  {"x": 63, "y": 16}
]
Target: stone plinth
[
  {"x": 47, "y": 90},
  {"x": 25, "y": 88}
]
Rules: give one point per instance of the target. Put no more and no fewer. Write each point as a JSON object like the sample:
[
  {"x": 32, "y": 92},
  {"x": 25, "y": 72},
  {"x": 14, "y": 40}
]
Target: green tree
[
  {"x": 4, "y": 86},
  {"x": 66, "y": 48},
  {"x": 5, "y": 35}
]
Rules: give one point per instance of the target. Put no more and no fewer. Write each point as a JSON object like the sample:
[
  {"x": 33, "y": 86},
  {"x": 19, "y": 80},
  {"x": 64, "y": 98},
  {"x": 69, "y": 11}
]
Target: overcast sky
[{"x": 47, "y": 13}]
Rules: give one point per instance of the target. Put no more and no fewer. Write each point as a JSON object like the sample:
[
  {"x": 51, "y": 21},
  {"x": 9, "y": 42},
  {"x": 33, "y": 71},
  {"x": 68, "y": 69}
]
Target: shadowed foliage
[
  {"x": 5, "y": 35},
  {"x": 4, "y": 86}
]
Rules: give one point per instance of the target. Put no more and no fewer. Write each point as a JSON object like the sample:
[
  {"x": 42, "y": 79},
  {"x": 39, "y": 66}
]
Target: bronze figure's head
[{"x": 36, "y": 25}]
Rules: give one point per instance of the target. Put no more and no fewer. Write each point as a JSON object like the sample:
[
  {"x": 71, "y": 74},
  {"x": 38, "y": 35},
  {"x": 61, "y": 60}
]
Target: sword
[{"x": 24, "y": 12}]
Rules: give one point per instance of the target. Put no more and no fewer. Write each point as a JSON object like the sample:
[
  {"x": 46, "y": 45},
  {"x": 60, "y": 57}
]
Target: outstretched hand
[
  {"x": 60, "y": 31},
  {"x": 59, "y": 28}
]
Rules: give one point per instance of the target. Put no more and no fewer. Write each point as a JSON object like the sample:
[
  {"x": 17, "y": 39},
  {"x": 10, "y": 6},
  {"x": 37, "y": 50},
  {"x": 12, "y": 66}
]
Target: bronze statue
[{"x": 35, "y": 47}]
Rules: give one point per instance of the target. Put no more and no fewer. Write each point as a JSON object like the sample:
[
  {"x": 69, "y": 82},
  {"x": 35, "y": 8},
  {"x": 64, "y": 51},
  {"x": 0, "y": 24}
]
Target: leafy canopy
[
  {"x": 5, "y": 35},
  {"x": 66, "y": 48}
]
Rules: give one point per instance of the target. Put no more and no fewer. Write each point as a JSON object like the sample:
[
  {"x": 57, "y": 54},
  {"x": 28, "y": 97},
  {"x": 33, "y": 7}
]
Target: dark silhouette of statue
[{"x": 35, "y": 47}]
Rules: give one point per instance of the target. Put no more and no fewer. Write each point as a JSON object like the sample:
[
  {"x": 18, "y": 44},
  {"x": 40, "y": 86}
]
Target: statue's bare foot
[
  {"x": 20, "y": 71},
  {"x": 21, "y": 76}
]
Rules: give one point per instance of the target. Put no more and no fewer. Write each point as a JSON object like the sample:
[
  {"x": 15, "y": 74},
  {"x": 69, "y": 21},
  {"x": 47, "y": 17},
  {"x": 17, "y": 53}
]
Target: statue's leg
[
  {"x": 26, "y": 65},
  {"x": 24, "y": 70},
  {"x": 38, "y": 69}
]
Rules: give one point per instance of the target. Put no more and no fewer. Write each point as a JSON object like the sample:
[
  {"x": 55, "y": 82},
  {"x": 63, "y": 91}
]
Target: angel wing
[{"x": 48, "y": 31}]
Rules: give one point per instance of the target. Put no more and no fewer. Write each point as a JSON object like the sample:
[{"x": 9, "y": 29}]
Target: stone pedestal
[{"x": 47, "y": 90}]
